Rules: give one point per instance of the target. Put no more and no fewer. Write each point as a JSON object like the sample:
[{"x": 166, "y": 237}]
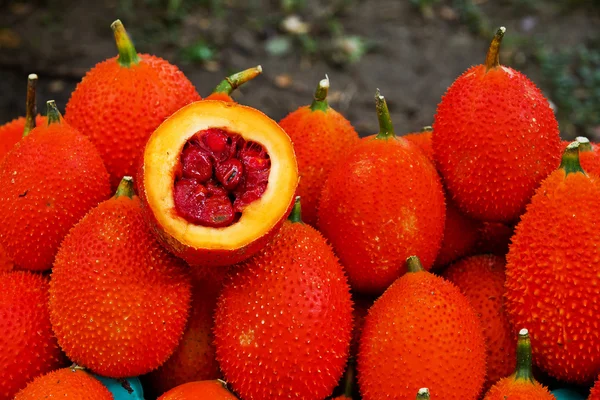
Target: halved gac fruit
[{"x": 217, "y": 180}]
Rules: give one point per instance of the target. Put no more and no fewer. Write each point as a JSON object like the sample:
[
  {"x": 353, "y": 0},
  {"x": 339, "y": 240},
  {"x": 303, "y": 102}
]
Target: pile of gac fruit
[{"x": 157, "y": 245}]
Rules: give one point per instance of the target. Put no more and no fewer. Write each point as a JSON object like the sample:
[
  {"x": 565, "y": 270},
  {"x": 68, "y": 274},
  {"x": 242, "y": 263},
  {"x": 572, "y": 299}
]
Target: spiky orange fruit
[
  {"x": 423, "y": 141},
  {"x": 284, "y": 318},
  {"x": 27, "y": 345},
  {"x": 460, "y": 236},
  {"x": 595, "y": 392},
  {"x": 589, "y": 156},
  {"x": 493, "y": 238},
  {"x": 122, "y": 100},
  {"x": 381, "y": 203},
  {"x": 199, "y": 390},
  {"x": 118, "y": 300},
  {"x": 422, "y": 332},
  {"x": 552, "y": 272},
  {"x": 520, "y": 385},
  {"x": 495, "y": 138},
  {"x": 49, "y": 180},
  {"x": 72, "y": 383},
  {"x": 481, "y": 279},
  {"x": 6, "y": 263},
  {"x": 321, "y": 136},
  {"x": 217, "y": 181}
]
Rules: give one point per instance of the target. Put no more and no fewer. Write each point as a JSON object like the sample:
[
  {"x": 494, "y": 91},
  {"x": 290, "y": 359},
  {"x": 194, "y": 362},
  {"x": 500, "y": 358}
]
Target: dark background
[{"x": 411, "y": 49}]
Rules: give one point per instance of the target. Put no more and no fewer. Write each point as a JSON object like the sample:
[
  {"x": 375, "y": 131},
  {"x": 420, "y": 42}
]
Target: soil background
[{"x": 412, "y": 55}]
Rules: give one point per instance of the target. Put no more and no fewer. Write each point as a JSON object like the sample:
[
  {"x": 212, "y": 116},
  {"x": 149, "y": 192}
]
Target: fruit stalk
[
  {"x": 52, "y": 113},
  {"x": 232, "y": 82},
  {"x": 320, "y": 98},
  {"x": 413, "y": 264},
  {"x": 127, "y": 53},
  {"x": 570, "y": 159},
  {"x": 125, "y": 188},
  {"x": 386, "y": 128},
  {"x": 30, "y": 107},
  {"x": 296, "y": 214},
  {"x": 524, "y": 357},
  {"x": 492, "y": 59},
  {"x": 423, "y": 394},
  {"x": 584, "y": 144}
]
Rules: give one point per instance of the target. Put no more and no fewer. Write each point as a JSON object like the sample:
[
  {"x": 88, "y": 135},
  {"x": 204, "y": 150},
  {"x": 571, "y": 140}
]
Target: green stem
[
  {"x": 127, "y": 54},
  {"x": 349, "y": 378},
  {"x": 232, "y": 82},
  {"x": 386, "y": 128},
  {"x": 52, "y": 114},
  {"x": 296, "y": 214},
  {"x": 30, "y": 106},
  {"x": 427, "y": 129},
  {"x": 413, "y": 264},
  {"x": 320, "y": 99},
  {"x": 423, "y": 394},
  {"x": 125, "y": 188},
  {"x": 570, "y": 159},
  {"x": 492, "y": 59},
  {"x": 524, "y": 357},
  {"x": 584, "y": 144}
]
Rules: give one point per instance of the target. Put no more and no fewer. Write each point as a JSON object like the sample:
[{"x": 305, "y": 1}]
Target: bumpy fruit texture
[
  {"x": 118, "y": 300},
  {"x": 481, "y": 279},
  {"x": 552, "y": 273},
  {"x": 200, "y": 390},
  {"x": 122, "y": 100},
  {"x": 49, "y": 180},
  {"x": 284, "y": 318},
  {"x": 495, "y": 138},
  {"x": 460, "y": 236},
  {"x": 12, "y": 132},
  {"x": 589, "y": 156},
  {"x": 595, "y": 392},
  {"x": 493, "y": 238},
  {"x": 423, "y": 141},
  {"x": 65, "y": 383},
  {"x": 27, "y": 345},
  {"x": 359, "y": 313},
  {"x": 321, "y": 136},
  {"x": 6, "y": 263},
  {"x": 381, "y": 203},
  {"x": 422, "y": 332}
]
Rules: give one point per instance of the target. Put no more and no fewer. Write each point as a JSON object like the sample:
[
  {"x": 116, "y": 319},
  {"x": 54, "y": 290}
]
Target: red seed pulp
[{"x": 220, "y": 174}]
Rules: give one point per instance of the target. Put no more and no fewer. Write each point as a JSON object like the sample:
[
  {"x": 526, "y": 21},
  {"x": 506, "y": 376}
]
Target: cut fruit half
[{"x": 217, "y": 180}]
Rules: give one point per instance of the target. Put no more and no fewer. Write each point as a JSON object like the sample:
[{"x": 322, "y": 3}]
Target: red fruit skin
[
  {"x": 590, "y": 160},
  {"x": 12, "y": 132},
  {"x": 460, "y": 236},
  {"x": 552, "y": 283},
  {"x": 6, "y": 263},
  {"x": 481, "y": 279},
  {"x": 494, "y": 238},
  {"x": 595, "y": 393},
  {"x": 119, "y": 302},
  {"x": 65, "y": 383},
  {"x": 509, "y": 389},
  {"x": 50, "y": 179},
  {"x": 370, "y": 220},
  {"x": 285, "y": 318},
  {"x": 495, "y": 138},
  {"x": 201, "y": 390},
  {"x": 422, "y": 332},
  {"x": 119, "y": 107},
  {"x": 27, "y": 345},
  {"x": 359, "y": 314},
  {"x": 423, "y": 141}
]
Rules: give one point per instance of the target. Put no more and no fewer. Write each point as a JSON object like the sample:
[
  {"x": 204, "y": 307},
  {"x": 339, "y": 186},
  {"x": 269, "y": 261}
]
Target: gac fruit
[
  {"x": 199, "y": 390},
  {"x": 422, "y": 332},
  {"x": 595, "y": 392},
  {"x": 217, "y": 181},
  {"x": 552, "y": 282},
  {"x": 493, "y": 238},
  {"x": 71, "y": 383},
  {"x": 381, "y": 203},
  {"x": 321, "y": 137},
  {"x": 118, "y": 300},
  {"x": 50, "y": 179},
  {"x": 284, "y": 318},
  {"x": 27, "y": 345},
  {"x": 481, "y": 279},
  {"x": 495, "y": 138},
  {"x": 589, "y": 156},
  {"x": 423, "y": 141},
  {"x": 460, "y": 236},
  {"x": 122, "y": 100},
  {"x": 520, "y": 385}
]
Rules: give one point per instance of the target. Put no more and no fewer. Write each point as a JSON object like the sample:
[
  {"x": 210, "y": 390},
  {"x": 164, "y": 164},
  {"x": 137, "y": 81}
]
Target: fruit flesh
[{"x": 221, "y": 173}]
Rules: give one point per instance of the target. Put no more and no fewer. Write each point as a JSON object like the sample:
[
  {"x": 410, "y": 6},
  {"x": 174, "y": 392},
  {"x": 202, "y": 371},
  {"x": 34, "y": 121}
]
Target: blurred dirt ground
[{"x": 414, "y": 48}]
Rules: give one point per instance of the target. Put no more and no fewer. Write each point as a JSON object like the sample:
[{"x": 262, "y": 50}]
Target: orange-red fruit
[
  {"x": 595, "y": 393},
  {"x": 119, "y": 106},
  {"x": 6, "y": 263},
  {"x": 493, "y": 238},
  {"x": 495, "y": 138},
  {"x": 460, "y": 236},
  {"x": 118, "y": 300},
  {"x": 423, "y": 141},
  {"x": 422, "y": 332},
  {"x": 200, "y": 390},
  {"x": 481, "y": 279},
  {"x": 12, "y": 132},
  {"x": 552, "y": 282},
  {"x": 65, "y": 383},
  {"x": 283, "y": 322},
  {"x": 49, "y": 180},
  {"x": 321, "y": 137},
  {"x": 27, "y": 345},
  {"x": 589, "y": 157},
  {"x": 509, "y": 389}
]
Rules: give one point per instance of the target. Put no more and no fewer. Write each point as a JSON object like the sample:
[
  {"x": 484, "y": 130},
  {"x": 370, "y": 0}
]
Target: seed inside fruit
[{"x": 220, "y": 174}]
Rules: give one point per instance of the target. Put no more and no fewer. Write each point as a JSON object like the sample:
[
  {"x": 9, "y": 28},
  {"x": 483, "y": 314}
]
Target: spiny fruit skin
[
  {"x": 65, "y": 383},
  {"x": 495, "y": 138},
  {"x": 49, "y": 180},
  {"x": 200, "y": 390},
  {"x": 481, "y": 279},
  {"x": 382, "y": 203},
  {"x": 590, "y": 159},
  {"x": 595, "y": 393},
  {"x": 321, "y": 138},
  {"x": 552, "y": 282},
  {"x": 6, "y": 263},
  {"x": 283, "y": 322},
  {"x": 422, "y": 332},
  {"x": 118, "y": 300},
  {"x": 423, "y": 141},
  {"x": 27, "y": 345},
  {"x": 460, "y": 236},
  {"x": 509, "y": 389},
  {"x": 12, "y": 132},
  {"x": 119, "y": 107}
]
